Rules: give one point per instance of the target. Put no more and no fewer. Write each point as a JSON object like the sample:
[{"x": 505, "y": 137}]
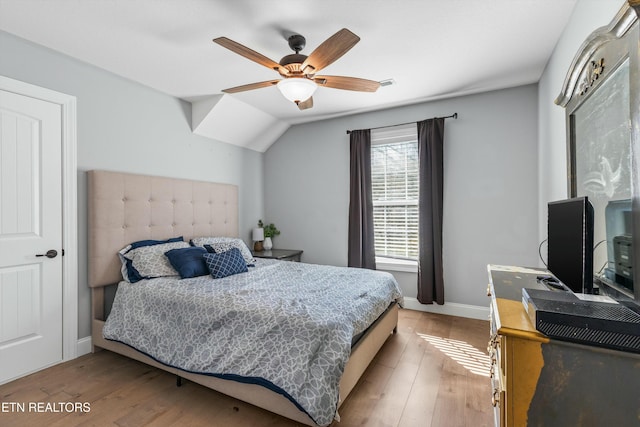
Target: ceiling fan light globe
[{"x": 297, "y": 89}]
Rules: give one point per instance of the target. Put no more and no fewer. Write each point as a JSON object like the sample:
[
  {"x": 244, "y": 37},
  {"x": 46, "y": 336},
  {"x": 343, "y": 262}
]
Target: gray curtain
[
  {"x": 430, "y": 153},
  {"x": 361, "y": 251}
]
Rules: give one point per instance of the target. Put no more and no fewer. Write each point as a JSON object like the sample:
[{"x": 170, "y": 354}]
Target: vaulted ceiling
[{"x": 430, "y": 48}]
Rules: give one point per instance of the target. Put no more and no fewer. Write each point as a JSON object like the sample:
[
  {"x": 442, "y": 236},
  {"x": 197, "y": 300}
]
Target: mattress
[{"x": 283, "y": 325}]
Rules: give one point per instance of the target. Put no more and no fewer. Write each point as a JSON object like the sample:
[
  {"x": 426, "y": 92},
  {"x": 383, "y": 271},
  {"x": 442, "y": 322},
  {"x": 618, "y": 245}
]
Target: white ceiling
[{"x": 431, "y": 48}]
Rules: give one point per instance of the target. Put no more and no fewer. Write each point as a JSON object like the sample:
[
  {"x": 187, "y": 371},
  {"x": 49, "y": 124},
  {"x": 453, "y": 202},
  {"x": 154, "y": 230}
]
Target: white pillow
[
  {"x": 223, "y": 244},
  {"x": 147, "y": 262}
]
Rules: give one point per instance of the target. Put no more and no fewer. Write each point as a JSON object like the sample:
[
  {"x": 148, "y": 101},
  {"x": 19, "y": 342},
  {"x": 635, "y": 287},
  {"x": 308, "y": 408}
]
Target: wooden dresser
[{"x": 537, "y": 381}]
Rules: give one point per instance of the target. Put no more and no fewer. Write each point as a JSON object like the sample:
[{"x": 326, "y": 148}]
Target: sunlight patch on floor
[{"x": 463, "y": 353}]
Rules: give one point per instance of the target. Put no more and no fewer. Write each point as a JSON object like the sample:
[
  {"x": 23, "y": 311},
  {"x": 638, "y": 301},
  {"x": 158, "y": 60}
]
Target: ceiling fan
[{"x": 299, "y": 80}]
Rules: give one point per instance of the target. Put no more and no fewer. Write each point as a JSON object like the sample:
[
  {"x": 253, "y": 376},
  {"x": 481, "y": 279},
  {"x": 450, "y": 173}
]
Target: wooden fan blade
[
  {"x": 347, "y": 83},
  {"x": 330, "y": 50},
  {"x": 304, "y": 105},
  {"x": 251, "y": 86},
  {"x": 250, "y": 54}
]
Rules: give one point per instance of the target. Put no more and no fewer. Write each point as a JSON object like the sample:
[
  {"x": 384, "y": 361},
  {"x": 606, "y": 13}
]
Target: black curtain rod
[{"x": 453, "y": 116}]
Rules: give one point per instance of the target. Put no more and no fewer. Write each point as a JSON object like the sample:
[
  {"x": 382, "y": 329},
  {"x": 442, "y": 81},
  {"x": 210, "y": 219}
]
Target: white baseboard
[
  {"x": 83, "y": 346},
  {"x": 449, "y": 308}
]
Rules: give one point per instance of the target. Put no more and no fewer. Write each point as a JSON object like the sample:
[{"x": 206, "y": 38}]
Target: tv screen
[{"x": 570, "y": 243}]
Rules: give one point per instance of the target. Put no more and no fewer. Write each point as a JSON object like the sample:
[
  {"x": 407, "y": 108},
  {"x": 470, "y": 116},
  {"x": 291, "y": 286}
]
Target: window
[{"x": 394, "y": 180}]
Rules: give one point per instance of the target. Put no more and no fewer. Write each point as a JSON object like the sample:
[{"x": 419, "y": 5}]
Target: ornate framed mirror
[{"x": 601, "y": 96}]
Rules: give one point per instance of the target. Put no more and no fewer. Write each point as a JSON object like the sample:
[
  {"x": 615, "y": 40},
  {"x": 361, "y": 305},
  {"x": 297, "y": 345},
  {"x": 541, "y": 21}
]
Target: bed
[{"x": 125, "y": 208}]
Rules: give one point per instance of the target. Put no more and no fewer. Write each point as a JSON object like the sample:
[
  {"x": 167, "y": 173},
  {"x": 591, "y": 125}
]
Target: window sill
[{"x": 392, "y": 264}]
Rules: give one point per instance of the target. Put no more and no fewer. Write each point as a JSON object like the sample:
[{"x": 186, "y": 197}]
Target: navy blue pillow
[
  {"x": 225, "y": 263},
  {"x": 212, "y": 250},
  {"x": 188, "y": 262}
]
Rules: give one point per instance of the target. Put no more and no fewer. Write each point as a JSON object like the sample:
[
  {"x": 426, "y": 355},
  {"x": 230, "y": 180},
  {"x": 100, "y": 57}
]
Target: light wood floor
[{"x": 433, "y": 372}]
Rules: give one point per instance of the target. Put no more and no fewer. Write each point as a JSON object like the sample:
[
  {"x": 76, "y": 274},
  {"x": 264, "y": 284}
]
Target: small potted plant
[{"x": 270, "y": 231}]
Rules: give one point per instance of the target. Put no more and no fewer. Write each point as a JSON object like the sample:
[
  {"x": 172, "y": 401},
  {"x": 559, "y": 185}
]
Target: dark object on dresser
[{"x": 564, "y": 316}]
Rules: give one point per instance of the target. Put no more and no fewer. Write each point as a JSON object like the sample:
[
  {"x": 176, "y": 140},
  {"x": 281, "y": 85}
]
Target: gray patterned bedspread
[{"x": 285, "y": 325}]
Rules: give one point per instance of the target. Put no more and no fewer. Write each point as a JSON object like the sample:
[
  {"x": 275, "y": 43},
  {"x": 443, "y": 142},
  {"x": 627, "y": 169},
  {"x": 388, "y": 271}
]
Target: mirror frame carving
[{"x": 600, "y": 55}]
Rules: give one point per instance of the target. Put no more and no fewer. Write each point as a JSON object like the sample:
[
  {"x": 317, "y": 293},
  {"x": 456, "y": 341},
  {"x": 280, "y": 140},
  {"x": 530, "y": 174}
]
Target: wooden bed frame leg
[
  {"x": 178, "y": 381},
  {"x": 395, "y": 330}
]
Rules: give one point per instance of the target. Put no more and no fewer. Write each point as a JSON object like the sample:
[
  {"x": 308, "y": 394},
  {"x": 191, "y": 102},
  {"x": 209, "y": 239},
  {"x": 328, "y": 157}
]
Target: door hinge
[{"x": 62, "y": 251}]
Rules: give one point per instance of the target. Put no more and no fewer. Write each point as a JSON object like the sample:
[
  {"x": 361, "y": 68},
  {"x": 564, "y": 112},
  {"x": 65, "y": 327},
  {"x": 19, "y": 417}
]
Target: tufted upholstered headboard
[{"x": 124, "y": 208}]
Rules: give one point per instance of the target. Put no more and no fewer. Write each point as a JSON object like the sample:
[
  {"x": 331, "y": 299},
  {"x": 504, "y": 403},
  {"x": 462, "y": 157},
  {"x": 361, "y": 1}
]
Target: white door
[{"x": 30, "y": 225}]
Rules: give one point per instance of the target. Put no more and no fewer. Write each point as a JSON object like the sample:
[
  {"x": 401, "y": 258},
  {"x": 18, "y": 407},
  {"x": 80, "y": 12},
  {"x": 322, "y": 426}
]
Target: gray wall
[
  {"x": 490, "y": 194},
  {"x": 124, "y": 126},
  {"x": 552, "y": 173}
]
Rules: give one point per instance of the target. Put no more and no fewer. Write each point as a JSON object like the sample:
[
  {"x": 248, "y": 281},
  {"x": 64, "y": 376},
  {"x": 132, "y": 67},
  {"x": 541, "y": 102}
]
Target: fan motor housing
[{"x": 292, "y": 62}]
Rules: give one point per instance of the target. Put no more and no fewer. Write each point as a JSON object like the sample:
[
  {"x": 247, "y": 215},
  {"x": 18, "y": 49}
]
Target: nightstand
[{"x": 281, "y": 254}]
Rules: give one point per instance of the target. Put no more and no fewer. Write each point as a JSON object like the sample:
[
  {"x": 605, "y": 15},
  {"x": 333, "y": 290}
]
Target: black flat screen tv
[{"x": 570, "y": 243}]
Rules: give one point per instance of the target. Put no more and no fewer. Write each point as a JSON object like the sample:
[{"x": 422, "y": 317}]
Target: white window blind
[{"x": 394, "y": 179}]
